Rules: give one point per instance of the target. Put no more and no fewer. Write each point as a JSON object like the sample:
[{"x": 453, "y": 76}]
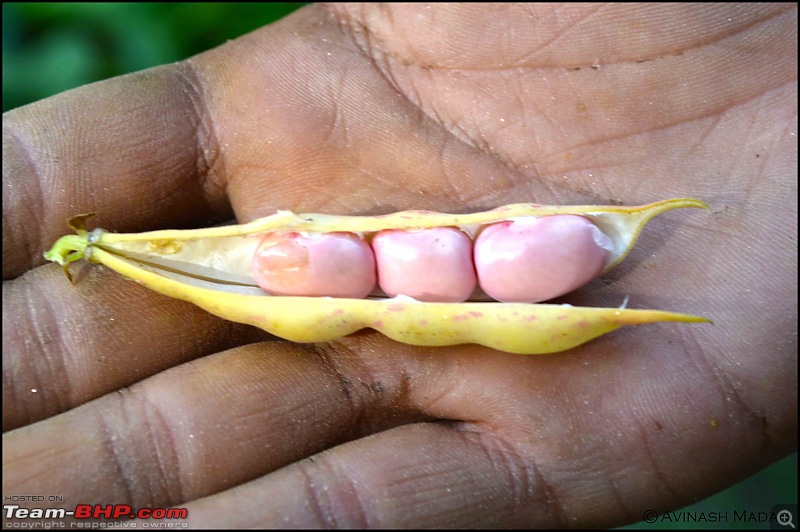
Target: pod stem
[{"x": 67, "y": 250}]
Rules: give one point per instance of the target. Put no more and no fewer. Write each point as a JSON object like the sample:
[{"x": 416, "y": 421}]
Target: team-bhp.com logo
[{"x": 93, "y": 511}]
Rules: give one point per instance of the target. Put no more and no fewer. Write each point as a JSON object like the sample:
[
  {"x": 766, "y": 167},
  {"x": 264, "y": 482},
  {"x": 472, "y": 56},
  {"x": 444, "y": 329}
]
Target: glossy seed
[
  {"x": 326, "y": 264},
  {"x": 428, "y": 265},
  {"x": 537, "y": 259}
]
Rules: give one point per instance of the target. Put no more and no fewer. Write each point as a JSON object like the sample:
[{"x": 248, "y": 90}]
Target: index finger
[{"x": 138, "y": 150}]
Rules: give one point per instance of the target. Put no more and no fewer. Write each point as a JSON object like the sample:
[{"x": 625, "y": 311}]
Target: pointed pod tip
[
  {"x": 643, "y": 316},
  {"x": 701, "y": 205},
  {"x": 690, "y": 318},
  {"x": 682, "y": 318},
  {"x": 690, "y": 203}
]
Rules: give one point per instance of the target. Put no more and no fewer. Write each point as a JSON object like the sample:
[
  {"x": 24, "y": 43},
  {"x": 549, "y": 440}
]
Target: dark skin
[{"x": 365, "y": 109}]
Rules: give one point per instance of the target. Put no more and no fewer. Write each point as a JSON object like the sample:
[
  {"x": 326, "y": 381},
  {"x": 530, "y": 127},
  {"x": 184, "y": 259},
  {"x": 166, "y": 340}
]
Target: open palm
[{"x": 369, "y": 109}]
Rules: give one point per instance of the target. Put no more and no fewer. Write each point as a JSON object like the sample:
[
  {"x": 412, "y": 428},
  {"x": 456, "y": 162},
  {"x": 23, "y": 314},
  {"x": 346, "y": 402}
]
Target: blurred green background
[{"x": 52, "y": 47}]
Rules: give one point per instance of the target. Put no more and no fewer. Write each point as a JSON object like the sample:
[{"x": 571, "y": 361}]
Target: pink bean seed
[
  {"x": 327, "y": 264},
  {"x": 539, "y": 259},
  {"x": 428, "y": 265}
]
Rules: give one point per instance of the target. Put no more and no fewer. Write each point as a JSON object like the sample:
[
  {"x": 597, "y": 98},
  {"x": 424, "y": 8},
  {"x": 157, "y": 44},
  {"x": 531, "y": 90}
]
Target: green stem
[{"x": 67, "y": 250}]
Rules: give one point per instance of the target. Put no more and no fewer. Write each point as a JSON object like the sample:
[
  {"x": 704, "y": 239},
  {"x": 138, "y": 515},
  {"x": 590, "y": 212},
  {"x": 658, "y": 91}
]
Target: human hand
[{"x": 115, "y": 395}]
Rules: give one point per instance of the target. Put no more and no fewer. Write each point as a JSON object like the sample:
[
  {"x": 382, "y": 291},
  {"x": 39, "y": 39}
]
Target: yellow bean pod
[{"x": 210, "y": 268}]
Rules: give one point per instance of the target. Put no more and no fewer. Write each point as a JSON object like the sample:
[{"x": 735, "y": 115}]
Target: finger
[
  {"x": 138, "y": 150},
  {"x": 417, "y": 476},
  {"x": 203, "y": 427},
  {"x": 66, "y": 344}
]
